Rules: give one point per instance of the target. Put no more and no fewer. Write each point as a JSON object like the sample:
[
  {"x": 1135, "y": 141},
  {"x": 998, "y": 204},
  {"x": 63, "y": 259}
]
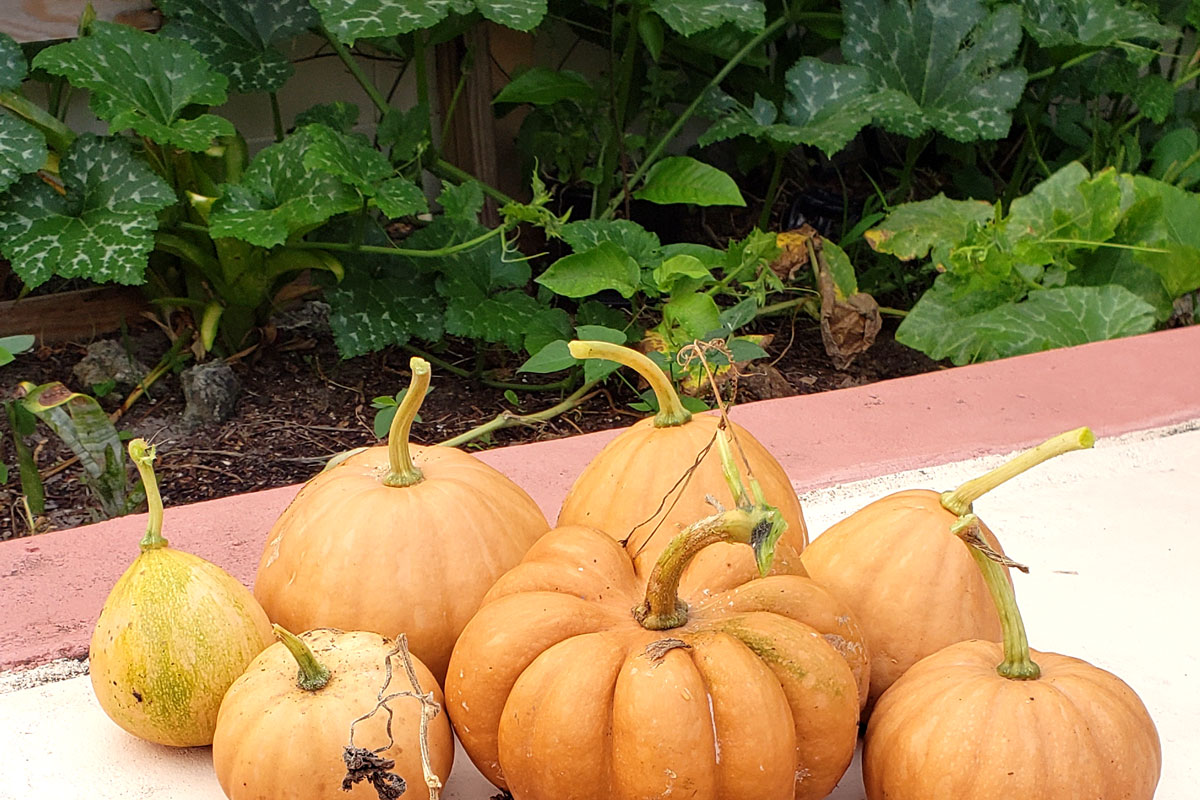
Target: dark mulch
[{"x": 301, "y": 404}]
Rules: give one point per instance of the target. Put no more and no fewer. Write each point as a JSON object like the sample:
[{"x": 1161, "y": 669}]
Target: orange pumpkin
[
  {"x": 910, "y": 583},
  {"x": 174, "y": 633},
  {"x": 647, "y": 467},
  {"x": 281, "y": 733},
  {"x": 397, "y": 539},
  {"x": 1040, "y": 726},
  {"x": 558, "y": 690}
]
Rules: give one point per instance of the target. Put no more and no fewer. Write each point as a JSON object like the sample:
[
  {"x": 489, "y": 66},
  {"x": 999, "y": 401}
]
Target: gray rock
[
  {"x": 211, "y": 391},
  {"x": 107, "y": 360},
  {"x": 311, "y": 316}
]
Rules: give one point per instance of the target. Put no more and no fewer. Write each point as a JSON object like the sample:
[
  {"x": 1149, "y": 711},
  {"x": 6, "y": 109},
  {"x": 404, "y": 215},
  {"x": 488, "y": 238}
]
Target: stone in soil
[
  {"x": 210, "y": 391},
  {"x": 107, "y": 360}
]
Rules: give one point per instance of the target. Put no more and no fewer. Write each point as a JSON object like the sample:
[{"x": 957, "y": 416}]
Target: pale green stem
[
  {"x": 313, "y": 675},
  {"x": 1017, "y": 664},
  {"x": 142, "y": 454},
  {"x": 403, "y": 472},
  {"x": 958, "y": 501},
  {"x": 670, "y": 408}
]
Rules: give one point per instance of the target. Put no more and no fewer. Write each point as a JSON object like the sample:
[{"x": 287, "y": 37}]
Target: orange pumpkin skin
[
  {"x": 910, "y": 583},
  {"x": 557, "y": 693},
  {"x": 276, "y": 741},
  {"x": 353, "y": 553},
  {"x": 643, "y": 465},
  {"x": 953, "y": 728}
]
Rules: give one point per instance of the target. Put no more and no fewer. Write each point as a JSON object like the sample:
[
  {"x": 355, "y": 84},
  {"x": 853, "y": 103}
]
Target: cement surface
[{"x": 1107, "y": 533}]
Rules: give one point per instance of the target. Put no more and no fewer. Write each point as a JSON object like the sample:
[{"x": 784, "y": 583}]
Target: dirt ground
[{"x": 301, "y": 404}]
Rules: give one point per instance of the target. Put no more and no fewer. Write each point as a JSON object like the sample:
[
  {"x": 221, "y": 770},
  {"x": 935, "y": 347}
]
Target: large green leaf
[
  {"x": 605, "y": 266},
  {"x": 1166, "y": 217},
  {"x": 682, "y": 179},
  {"x": 947, "y": 56},
  {"x": 22, "y": 149},
  {"x": 352, "y": 157},
  {"x": 498, "y": 317},
  {"x": 640, "y": 244},
  {"x": 141, "y": 81},
  {"x": 542, "y": 86},
  {"x": 350, "y": 20},
  {"x": 380, "y": 305},
  {"x": 914, "y": 230},
  {"x": 692, "y": 16},
  {"x": 13, "y": 66},
  {"x": 827, "y": 104},
  {"x": 239, "y": 37},
  {"x": 278, "y": 197},
  {"x": 942, "y": 327},
  {"x": 1094, "y": 23},
  {"x": 102, "y": 228}
]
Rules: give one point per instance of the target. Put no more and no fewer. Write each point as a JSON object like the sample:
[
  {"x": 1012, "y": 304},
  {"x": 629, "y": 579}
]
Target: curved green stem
[
  {"x": 1070, "y": 62},
  {"x": 402, "y": 471},
  {"x": 767, "y": 33},
  {"x": 662, "y": 608},
  {"x": 356, "y": 71},
  {"x": 313, "y": 675},
  {"x": 276, "y": 116},
  {"x": 670, "y": 409},
  {"x": 507, "y": 420},
  {"x": 57, "y": 134},
  {"x": 1017, "y": 664},
  {"x": 344, "y": 247},
  {"x": 958, "y": 501},
  {"x": 142, "y": 454}
]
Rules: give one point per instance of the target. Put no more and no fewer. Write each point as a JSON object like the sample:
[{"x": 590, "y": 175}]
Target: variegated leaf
[
  {"x": 692, "y": 16},
  {"x": 13, "y": 67},
  {"x": 22, "y": 149},
  {"x": 240, "y": 37},
  {"x": 141, "y": 81},
  {"x": 101, "y": 227},
  {"x": 1094, "y": 23},
  {"x": 350, "y": 20}
]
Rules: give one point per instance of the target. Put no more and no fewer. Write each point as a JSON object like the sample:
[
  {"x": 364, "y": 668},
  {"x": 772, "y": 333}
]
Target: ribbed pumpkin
[
  {"x": 646, "y": 467},
  {"x": 397, "y": 539},
  {"x": 910, "y": 583},
  {"x": 557, "y": 689},
  {"x": 281, "y": 732},
  {"x": 1040, "y": 726},
  {"x": 174, "y": 633}
]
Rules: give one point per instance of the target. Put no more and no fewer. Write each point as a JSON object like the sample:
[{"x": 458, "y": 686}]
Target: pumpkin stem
[
  {"x": 670, "y": 409},
  {"x": 1017, "y": 664},
  {"x": 313, "y": 675},
  {"x": 143, "y": 454},
  {"x": 402, "y": 470},
  {"x": 958, "y": 501}
]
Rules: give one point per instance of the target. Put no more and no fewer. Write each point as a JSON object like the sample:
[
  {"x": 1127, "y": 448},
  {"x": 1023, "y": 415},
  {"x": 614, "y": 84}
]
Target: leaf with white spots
[
  {"x": 145, "y": 82},
  {"x": 101, "y": 226},
  {"x": 240, "y": 38},
  {"x": 692, "y": 16},
  {"x": 352, "y": 157},
  {"x": 279, "y": 196},
  {"x": 947, "y": 56},
  {"x": 22, "y": 149},
  {"x": 350, "y": 20},
  {"x": 380, "y": 305},
  {"x": 1095, "y": 23},
  {"x": 13, "y": 67},
  {"x": 521, "y": 15}
]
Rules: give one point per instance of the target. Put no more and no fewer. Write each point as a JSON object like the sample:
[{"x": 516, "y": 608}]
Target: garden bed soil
[{"x": 301, "y": 404}]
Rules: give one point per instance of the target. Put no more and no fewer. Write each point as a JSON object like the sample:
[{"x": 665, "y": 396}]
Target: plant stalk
[
  {"x": 313, "y": 675},
  {"x": 958, "y": 501},
  {"x": 356, "y": 71},
  {"x": 344, "y": 247},
  {"x": 670, "y": 408},
  {"x": 143, "y": 454},
  {"x": 402, "y": 470},
  {"x": 1017, "y": 664},
  {"x": 509, "y": 420}
]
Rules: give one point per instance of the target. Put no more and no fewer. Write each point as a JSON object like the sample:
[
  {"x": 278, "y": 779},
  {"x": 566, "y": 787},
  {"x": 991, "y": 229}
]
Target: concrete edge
[{"x": 55, "y": 584}]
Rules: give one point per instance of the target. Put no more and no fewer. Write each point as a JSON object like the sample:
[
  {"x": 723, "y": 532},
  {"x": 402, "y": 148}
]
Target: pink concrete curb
[{"x": 53, "y": 585}]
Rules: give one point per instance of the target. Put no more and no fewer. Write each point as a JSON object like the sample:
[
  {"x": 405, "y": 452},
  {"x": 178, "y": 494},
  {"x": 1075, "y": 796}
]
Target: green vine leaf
[
  {"x": 279, "y": 197},
  {"x": 381, "y": 305},
  {"x": 915, "y": 230},
  {"x": 239, "y": 38},
  {"x": 101, "y": 227},
  {"x": 352, "y": 157},
  {"x": 638, "y": 243},
  {"x": 581, "y": 274},
  {"x": 339, "y": 115},
  {"x": 542, "y": 86},
  {"x": 350, "y": 20},
  {"x": 682, "y": 179},
  {"x": 22, "y": 150},
  {"x": 692, "y": 16},
  {"x": 1094, "y": 23},
  {"x": 144, "y": 82},
  {"x": 946, "y": 56},
  {"x": 13, "y": 67},
  {"x": 942, "y": 327}
]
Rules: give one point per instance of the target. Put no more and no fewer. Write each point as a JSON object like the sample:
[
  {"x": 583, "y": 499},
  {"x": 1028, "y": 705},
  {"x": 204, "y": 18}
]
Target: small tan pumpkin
[
  {"x": 1040, "y": 726},
  {"x": 910, "y": 583},
  {"x": 281, "y": 733},
  {"x": 557, "y": 689},
  {"x": 174, "y": 633},
  {"x": 646, "y": 467},
  {"x": 397, "y": 539}
]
